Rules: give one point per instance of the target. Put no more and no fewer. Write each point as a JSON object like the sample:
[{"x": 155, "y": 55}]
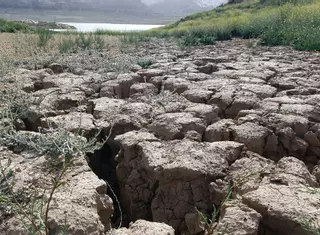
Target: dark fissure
[{"x": 103, "y": 164}]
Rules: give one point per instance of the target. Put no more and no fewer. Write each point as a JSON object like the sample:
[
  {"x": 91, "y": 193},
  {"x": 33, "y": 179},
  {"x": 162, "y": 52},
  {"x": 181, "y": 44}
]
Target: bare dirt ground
[{"x": 235, "y": 125}]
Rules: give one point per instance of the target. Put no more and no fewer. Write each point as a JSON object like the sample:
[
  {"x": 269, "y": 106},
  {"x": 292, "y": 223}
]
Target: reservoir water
[{"x": 91, "y": 27}]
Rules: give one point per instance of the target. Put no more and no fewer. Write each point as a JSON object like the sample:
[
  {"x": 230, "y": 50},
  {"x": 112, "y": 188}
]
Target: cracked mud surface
[{"x": 196, "y": 121}]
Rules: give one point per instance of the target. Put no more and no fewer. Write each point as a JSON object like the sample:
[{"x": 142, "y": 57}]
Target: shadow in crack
[{"x": 103, "y": 164}]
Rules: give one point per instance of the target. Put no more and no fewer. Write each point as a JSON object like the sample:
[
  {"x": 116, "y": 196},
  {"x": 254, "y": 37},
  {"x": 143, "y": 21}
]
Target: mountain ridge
[{"x": 146, "y": 8}]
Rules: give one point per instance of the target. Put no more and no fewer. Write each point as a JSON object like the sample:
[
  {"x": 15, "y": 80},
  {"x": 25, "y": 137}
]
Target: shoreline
[{"x": 47, "y": 24}]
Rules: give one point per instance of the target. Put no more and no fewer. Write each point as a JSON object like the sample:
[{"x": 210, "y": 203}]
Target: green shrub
[
  {"x": 59, "y": 145},
  {"x": 67, "y": 46},
  {"x": 120, "y": 64},
  {"x": 222, "y": 34},
  {"x": 81, "y": 42},
  {"x": 310, "y": 225},
  {"x": 107, "y": 32},
  {"x": 145, "y": 63},
  {"x": 308, "y": 41},
  {"x": 44, "y": 36},
  {"x": 99, "y": 42},
  {"x": 6, "y": 65},
  {"x": 197, "y": 37},
  {"x": 12, "y": 26},
  {"x": 15, "y": 104},
  {"x": 84, "y": 41},
  {"x": 190, "y": 40},
  {"x": 134, "y": 37},
  {"x": 282, "y": 2}
]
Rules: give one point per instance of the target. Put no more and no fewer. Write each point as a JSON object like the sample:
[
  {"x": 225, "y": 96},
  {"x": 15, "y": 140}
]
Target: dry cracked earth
[{"x": 199, "y": 126}]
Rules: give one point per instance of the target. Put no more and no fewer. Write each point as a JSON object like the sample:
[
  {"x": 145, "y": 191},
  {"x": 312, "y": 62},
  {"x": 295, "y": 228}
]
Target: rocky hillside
[{"x": 234, "y": 125}]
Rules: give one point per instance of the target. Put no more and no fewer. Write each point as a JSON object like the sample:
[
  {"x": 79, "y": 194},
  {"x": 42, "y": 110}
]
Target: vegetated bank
[
  {"x": 276, "y": 22},
  {"x": 7, "y": 26},
  {"x": 13, "y": 26}
]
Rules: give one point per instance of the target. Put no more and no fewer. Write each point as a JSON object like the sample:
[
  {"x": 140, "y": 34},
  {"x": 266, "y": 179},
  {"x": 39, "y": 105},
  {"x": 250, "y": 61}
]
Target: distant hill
[
  {"x": 181, "y": 7},
  {"x": 147, "y": 9},
  {"x": 177, "y": 7},
  {"x": 133, "y": 7},
  {"x": 71, "y": 4}
]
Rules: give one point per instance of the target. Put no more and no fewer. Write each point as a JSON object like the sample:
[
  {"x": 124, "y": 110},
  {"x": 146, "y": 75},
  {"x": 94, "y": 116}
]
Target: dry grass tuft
[{"x": 24, "y": 45}]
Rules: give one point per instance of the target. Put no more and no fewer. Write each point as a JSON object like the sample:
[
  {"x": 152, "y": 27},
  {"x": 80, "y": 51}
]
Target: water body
[{"x": 91, "y": 27}]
